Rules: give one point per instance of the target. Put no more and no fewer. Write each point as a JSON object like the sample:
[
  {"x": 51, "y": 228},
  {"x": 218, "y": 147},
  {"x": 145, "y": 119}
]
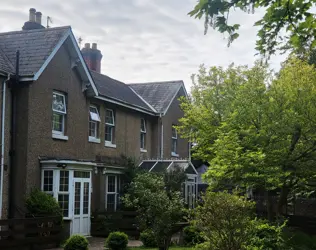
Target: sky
[{"x": 144, "y": 40}]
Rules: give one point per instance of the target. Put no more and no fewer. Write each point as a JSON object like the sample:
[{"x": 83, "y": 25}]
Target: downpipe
[{"x": 2, "y": 140}]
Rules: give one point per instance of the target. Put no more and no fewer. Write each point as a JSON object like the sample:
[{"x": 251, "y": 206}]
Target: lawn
[{"x": 171, "y": 248}]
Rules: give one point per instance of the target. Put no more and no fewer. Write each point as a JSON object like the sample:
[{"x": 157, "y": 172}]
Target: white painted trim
[
  {"x": 59, "y": 136},
  {"x": 72, "y": 162},
  {"x": 51, "y": 56},
  {"x": 94, "y": 140},
  {"x": 109, "y": 144},
  {"x": 143, "y": 150},
  {"x": 186, "y": 95},
  {"x": 153, "y": 166},
  {"x": 26, "y": 79},
  {"x": 124, "y": 105},
  {"x": 140, "y": 97},
  {"x": 73, "y": 39},
  {"x": 53, "y": 53}
]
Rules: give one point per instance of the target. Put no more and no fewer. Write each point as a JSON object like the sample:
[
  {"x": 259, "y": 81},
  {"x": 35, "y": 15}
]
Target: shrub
[
  {"x": 148, "y": 238},
  {"x": 117, "y": 241},
  {"x": 41, "y": 203},
  {"x": 76, "y": 242},
  {"x": 298, "y": 240},
  {"x": 192, "y": 236}
]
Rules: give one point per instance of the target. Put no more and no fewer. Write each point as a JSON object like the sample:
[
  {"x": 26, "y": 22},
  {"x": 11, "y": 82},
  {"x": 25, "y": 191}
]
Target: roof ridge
[
  {"x": 34, "y": 30},
  {"x": 158, "y": 82},
  {"x": 109, "y": 77}
]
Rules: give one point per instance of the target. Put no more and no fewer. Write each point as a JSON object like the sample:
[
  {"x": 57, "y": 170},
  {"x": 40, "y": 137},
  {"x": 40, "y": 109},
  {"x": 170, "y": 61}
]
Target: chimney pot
[
  {"x": 32, "y": 15},
  {"x": 87, "y": 45},
  {"x": 94, "y": 46},
  {"x": 38, "y": 16}
]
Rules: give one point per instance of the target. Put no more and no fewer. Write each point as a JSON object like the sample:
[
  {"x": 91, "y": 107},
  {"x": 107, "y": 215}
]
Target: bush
[
  {"x": 266, "y": 236},
  {"x": 76, "y": 242},
  {"x": 192, "y": 236},
  {"x": 39, "y": 203},
  {"x": 298, "y": 240},
  {"x": 117, "y": 241},
  {"x": 148, "y": 238}
]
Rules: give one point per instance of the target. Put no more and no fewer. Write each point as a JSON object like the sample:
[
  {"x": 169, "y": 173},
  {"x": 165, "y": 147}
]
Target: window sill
[
  {"x": 109, "y": 145},
  {"x": 94, "y": 140},
  {"x": 59, "y": 137},
  {"x": 174, "y": 154},
  {"x": 143, "y": 150}
]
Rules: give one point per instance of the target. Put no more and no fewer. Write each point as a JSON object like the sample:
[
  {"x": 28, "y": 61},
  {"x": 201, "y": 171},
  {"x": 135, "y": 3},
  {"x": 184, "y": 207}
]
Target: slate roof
[
  {"x": 35, "y": 47},
  {"x": 5, "y": 64},
  {"x": 158, "y": 94},
  {"x": 114, "y": 89}
]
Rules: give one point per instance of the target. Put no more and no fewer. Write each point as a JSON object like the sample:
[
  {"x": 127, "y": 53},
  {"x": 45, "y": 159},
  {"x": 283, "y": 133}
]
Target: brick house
[{"x": 65, "y": 126}]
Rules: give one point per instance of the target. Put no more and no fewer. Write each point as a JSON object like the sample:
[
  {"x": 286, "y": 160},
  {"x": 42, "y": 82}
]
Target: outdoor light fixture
[{"x": 62, "y": 165}]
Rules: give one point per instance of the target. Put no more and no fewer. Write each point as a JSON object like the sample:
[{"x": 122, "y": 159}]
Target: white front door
[{"x": 82, "y": 200}]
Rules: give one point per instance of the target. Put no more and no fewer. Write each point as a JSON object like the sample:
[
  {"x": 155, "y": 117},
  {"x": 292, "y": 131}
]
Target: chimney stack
[
  {"x": 32, "y": 15},
  {"x": 92, "y": 57},
  {"x": 38, "y": 17},
  {"x": 34, "y": 22}
]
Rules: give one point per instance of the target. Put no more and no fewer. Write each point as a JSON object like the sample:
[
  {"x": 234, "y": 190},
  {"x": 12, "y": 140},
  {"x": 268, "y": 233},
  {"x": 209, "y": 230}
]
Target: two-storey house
[{"x": 64, "y": 125}]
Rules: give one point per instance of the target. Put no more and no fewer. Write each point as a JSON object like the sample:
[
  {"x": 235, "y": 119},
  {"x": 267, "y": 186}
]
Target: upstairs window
[
  {"x": 109, "y": 127},
  {"x": 94, "y": 122},
  {"x": 59, "y": 113},
  {"x": 142, "y": 134},
  {"x": 174, "y": 140}
]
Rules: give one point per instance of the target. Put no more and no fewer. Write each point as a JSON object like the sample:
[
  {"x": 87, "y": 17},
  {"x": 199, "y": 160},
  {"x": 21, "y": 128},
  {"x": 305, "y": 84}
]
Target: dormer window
[
  {"x": 59, "y": 115},
  {"x": 94, "y": 124},
  {"x": 143, "y": 135}
]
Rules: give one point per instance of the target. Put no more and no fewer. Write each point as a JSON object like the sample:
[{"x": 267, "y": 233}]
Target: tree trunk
[
  {"x": 282, "y": 200},
  {"x": 166, "y": 244},
  {"x": 270, "y": 212}
]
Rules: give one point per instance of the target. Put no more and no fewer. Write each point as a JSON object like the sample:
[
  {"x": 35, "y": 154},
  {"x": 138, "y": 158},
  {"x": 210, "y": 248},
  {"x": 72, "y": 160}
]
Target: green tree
[
  {"x": 159, "y": 208},
  {"x": 255, "y": 131},
  {"x": 228, "y": 222},
  {"x": 286, "y": 24}
]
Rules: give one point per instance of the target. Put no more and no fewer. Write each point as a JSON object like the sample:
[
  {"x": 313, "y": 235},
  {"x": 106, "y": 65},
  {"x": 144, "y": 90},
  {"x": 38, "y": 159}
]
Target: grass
[{"x": 171, "y": 248}]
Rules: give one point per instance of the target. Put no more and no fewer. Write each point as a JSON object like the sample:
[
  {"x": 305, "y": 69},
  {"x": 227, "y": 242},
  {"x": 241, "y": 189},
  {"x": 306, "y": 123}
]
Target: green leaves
[
  {"x": 255, "y": 129},
  {"x": 286, "y": 25}
]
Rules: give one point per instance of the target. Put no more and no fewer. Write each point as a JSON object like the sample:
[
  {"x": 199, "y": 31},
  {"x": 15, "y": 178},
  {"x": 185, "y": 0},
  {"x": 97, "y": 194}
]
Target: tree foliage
[
  {"x": 254, "y": 131},
  {"x": 228, "y": 221},
  {"x": 286, "y": 24},
  {"x": 158, "y": 206}
]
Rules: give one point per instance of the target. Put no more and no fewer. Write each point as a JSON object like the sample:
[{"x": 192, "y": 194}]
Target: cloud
[{"x": 143, "y": 40}]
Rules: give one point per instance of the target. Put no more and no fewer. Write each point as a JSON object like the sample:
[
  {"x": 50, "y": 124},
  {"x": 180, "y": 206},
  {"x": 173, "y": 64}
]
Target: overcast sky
[{"x": 143, "y": 40}]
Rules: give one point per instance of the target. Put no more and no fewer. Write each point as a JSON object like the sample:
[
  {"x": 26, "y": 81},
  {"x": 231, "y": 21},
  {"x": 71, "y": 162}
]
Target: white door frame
[{"x": 81, "y": 216}]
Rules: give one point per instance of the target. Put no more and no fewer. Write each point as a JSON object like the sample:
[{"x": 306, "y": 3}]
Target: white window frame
[
  {"x": 96, "y": 121},
  {"x": 143, "y": 135},
  {"x": 174, "y": 139},
  {"x": 112, "y": 125},
  {"x": 116, "y": 176},
  {"x": 56, "y": 191},
  {"x": 59, "y": 134}
]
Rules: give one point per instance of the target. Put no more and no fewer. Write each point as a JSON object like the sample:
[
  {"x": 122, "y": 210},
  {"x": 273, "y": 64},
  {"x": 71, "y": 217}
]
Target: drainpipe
[
  {"x": 13, "y": 136},
  {"x": 2, "y": 141},
  {"x": 161, "y": 139}
]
